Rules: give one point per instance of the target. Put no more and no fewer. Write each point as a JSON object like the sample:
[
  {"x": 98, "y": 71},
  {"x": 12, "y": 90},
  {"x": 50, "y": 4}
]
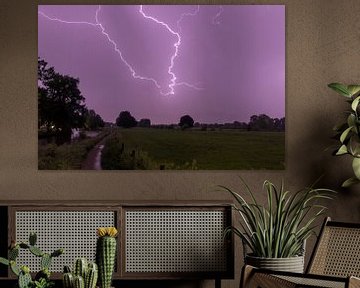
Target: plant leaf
[
  {"x": 340, "y": 88},
  {"x": 4, "y": 261},
  {"x": 342, "y": 150},
  {"x": 345, "y": 134},
  {"x": 355, "y": 103},
  {"x": 353, "y": 89},
  {"x": 356, "y": 167},
  {"x": 349, "y": 182},
  {"x": 351, "y": 120}
]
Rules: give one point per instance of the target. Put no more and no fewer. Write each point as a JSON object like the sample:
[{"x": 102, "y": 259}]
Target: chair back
[{"x": 337, "y": 251}]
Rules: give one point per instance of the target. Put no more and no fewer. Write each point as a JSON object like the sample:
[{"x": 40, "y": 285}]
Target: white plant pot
[{"x": 291, "y": 264}]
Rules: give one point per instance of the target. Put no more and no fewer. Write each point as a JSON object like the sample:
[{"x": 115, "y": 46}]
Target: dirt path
[{"x": 93, "y": 158}]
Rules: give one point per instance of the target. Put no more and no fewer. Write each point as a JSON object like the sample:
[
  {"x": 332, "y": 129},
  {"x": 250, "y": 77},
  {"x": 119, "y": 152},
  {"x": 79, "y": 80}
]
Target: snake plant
[
  {"x": 349, "y": 132},
  {"x": 280, "y": 228}
]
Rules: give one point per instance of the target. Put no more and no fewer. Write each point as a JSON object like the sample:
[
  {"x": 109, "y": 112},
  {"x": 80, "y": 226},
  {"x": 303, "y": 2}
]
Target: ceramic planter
[{"x": 291, "y": 264}]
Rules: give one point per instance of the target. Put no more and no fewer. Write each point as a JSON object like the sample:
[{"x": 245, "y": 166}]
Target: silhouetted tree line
[
  {"x": 61, "y": 105},
  {"x": 260, "y": 122}
]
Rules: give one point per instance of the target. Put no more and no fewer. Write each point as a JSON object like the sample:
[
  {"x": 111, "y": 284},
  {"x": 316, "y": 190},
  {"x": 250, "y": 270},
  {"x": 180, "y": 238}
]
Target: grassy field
[{"x": 207, "y": 150}]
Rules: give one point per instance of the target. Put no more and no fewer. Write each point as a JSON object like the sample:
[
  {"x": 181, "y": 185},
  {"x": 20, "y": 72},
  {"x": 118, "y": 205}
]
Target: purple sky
[{"x": 233, "y": 55}]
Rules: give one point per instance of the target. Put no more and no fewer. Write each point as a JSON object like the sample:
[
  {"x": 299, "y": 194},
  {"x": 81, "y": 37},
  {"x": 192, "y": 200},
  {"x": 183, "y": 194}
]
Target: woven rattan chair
[{"x": 334, "y": 263}]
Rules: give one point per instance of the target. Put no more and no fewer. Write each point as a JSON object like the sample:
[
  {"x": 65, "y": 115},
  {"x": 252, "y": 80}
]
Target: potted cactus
[
  {"x": 42, "y": 278},
  {"x": 106, "y": 254},
  {"x": 84, "y": 275}
]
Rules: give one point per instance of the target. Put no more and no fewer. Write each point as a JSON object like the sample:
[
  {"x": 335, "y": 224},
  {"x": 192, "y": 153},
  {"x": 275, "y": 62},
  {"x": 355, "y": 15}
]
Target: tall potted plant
[
  {"x": 349, "y": 131},
  {"x": 276, "y": 233}
]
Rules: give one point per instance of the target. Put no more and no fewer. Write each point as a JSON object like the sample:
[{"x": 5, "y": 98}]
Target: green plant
[
  {"x": 42, "y": 278},
  {"x": 105, "y": 254},
  {"x": 349, "y": 132},
  {"x": 85, "y": 275},
  {"x": 279, "y": 229}
]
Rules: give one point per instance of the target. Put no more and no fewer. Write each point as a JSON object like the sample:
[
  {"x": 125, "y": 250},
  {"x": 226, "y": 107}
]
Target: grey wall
[{"x": 323, "y": 46}]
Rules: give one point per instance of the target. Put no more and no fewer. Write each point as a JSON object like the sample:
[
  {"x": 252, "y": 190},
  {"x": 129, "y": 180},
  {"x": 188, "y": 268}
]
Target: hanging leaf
[
  {"x": 355, "y": 103},
  {"x": 356, "y": 167},
  {"x": 340, "y": 88},
  {"x": 351, "y": 120},
  {"x": 345, "y": 134},
  {"x": 342, "y": 150},
  {"x": 353, "y": 89},
  {"x": 349, "y": 182}
]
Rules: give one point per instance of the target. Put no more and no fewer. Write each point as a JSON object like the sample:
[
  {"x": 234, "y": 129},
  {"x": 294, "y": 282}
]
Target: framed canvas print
[{"x": 161, "y": 87}]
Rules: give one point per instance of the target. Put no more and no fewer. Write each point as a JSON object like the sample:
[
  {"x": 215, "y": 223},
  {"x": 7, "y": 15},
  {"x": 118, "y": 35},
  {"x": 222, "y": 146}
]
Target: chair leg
[
  {"x": 246, "y": 273},
  {"x": 217, "y": 283}
]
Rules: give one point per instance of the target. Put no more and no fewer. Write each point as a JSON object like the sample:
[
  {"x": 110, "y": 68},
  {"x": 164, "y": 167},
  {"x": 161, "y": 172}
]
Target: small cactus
[
  {"x": 91, "y": 276},
  {"x": 57, "y": 252},
  {"x": 32, "y": 239},
  {"x": 45, "y": 261},
  {"x": 13, "y": 253},
  {"x": 24, "y": 278},
  {"x": 80, "y": 267},
  {"x": 106, "y": 254},
  {"x": 36, "y": 251},
  {"x": 79, "y": 282},
  {"x": 4, "y": 261},
  {"x": 68, "y": 280},
  {"x": 89, "y": 272}
]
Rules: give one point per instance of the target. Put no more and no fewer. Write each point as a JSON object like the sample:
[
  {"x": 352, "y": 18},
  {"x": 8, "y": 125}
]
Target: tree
[
  {"x": 126, "y": 120},
  {"x": 279, "y": 124},
  {"x": 145, "y": 123},
  {"x": 93, "y": 121},
  {"x": 61, "y": 105},
  {"x": 261, "y": 122},
  {"x": 186, "y": 121}
]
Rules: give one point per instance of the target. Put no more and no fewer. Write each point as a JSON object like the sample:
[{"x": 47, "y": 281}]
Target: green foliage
[
  {"x": 93, "y": 121},
  {"x": 4, "y": 261},
  {"x": 348, "y": 132},
  {"x": 279, "y": 229},
  {"x": 42, "y": 283},
  {"x": 42, "y": 278},
  {"x": 115, "y": 156},
  {"x": 67, "y": 156}
]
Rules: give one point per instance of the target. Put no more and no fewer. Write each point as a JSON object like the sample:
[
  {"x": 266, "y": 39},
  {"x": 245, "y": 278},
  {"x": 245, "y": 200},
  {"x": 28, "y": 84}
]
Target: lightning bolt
[
  {"x": 216, "y": 20},
  {"x": 102, "y": 29},
  {"x": 132, "y": 70},
  {"x": 172, "y": 59},
  {"x": 111, "y": 41},
  {"x": 183, "y": 15}
]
